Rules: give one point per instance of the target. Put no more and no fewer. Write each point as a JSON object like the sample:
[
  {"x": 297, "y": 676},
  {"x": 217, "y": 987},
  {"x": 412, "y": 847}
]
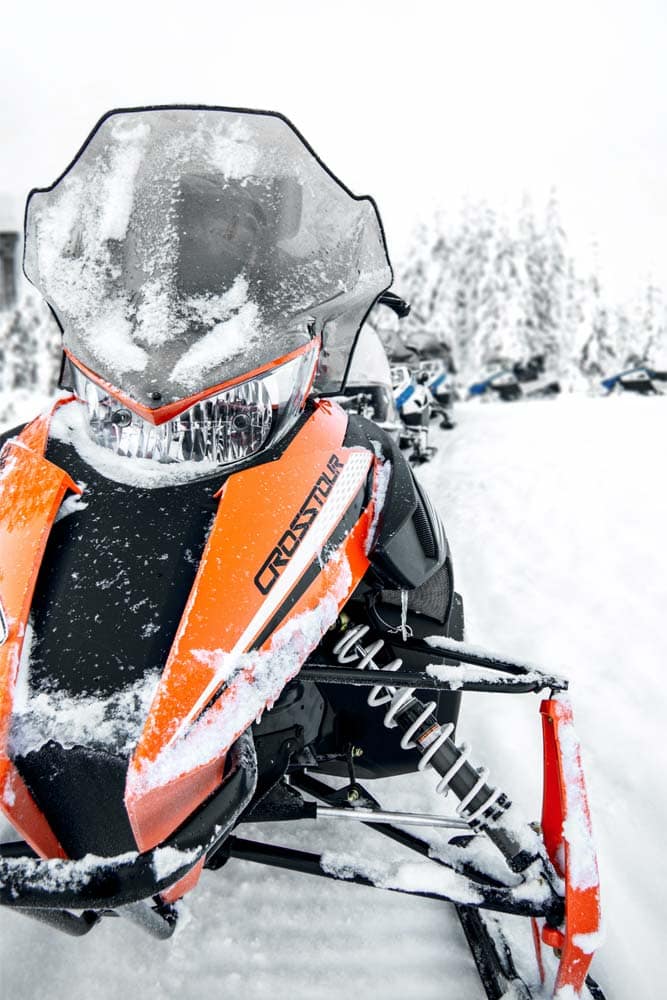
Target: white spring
[{"x": 350, "y": 650}]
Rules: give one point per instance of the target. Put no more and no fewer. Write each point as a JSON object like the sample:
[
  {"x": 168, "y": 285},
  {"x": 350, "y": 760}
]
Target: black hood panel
[
  {"x": 114, "y": 581},
  {"x": 80, "y": 791}
]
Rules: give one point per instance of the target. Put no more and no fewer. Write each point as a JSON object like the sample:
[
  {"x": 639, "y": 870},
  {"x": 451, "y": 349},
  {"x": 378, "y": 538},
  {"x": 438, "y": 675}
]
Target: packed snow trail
[{"x": 555, "y": 514}]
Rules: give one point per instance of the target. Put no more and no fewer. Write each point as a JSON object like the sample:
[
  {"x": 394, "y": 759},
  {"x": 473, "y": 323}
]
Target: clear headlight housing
[{"x": 223, "y": 428}]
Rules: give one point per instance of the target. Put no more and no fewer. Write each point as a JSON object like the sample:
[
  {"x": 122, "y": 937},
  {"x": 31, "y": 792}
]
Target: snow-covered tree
[{"x": 29, "y": 347}]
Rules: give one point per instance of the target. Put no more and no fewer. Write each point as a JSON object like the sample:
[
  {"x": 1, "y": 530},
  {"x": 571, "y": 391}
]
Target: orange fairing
[
  {"x": 161, "y": 414},
  {"x": 566, "y": 827},
  {"x": 280, "y": 562},
  {"x": 185, "y": 884},
  {"x": 32, "y": 490}
]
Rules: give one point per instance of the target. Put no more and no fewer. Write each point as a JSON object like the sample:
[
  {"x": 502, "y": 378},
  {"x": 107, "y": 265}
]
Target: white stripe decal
[{"x": 346, "y": 487}]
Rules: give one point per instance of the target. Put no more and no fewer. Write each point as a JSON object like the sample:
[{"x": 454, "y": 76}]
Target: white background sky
[{"x": 419, "y": 103}]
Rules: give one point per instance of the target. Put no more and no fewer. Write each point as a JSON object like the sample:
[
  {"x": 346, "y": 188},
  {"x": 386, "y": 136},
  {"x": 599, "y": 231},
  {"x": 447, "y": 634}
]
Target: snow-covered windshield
[{"x": 185, "y": 247}]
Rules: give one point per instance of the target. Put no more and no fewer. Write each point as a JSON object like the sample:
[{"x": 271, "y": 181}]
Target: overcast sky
[{"x": 421, "y": 103}]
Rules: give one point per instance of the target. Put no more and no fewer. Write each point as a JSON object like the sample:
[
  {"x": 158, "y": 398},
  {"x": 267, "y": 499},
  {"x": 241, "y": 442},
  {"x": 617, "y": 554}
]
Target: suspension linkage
[{"x": 322, "y": 673}]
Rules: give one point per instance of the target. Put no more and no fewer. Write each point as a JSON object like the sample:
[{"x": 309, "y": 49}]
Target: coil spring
[{"x": 350, "y": 650}]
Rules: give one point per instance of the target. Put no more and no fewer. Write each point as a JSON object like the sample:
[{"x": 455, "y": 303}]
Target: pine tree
[
  {"x": 29, "y": 347},
  {"x": 598, "y": 356}
]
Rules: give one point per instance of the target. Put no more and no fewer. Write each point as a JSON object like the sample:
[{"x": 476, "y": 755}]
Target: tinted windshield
[{"x": 186, "y": 247}]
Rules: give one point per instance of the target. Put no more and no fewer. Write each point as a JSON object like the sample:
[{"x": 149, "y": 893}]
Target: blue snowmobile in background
[
  {"x": 641, "y": 380},
  {"x": 434, "y": 375},
  {"x": 503, "y": 383},
  {"x": 507, "y": 382},
  {"x": 414, "y": 404}
]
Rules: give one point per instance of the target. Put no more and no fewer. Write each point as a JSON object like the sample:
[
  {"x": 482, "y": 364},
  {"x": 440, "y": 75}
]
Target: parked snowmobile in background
[
  {"x": 414, "y": 404},
  {"x": 532, "y": 373},
  {"x": 218, "y": 587},
  {"x": 368, "y": 389},
  {"x": 504, "y": 384},
  {"x": 433, "y": 375},
  {"x": 510, "y": 382},
  {"x": 642, "y": 380}
]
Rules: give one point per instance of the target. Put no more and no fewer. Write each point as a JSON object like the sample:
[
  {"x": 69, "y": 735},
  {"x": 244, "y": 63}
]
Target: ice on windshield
[{"x": 186, "y": 247}]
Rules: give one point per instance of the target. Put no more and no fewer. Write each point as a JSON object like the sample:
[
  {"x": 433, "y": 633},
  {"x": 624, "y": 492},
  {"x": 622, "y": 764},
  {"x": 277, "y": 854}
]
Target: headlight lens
[{"x": 228, "y": 427}]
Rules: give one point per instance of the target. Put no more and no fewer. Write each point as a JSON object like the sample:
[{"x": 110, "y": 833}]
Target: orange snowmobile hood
[
  {"x": 287, "y": 548},
  {"x": 32, "y": 490}
]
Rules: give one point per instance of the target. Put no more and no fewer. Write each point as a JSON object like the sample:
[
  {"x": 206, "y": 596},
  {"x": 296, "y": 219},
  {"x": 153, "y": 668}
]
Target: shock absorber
[{"x": 482, "y": 806}]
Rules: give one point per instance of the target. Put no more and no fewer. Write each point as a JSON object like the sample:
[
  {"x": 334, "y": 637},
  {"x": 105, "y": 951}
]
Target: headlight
[{"x": 223, "y": 428}]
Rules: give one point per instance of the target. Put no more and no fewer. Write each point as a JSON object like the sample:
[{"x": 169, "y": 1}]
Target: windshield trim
[{"x": 161, "y": 414}]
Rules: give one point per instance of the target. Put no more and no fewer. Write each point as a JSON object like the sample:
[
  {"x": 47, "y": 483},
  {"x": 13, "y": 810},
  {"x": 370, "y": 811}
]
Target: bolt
[
  {"x": 353, "y": 795},
  {"x": 357, "y": 752}
]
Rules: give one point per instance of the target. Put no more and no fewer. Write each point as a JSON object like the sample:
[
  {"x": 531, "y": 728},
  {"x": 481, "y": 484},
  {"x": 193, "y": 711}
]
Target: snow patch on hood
[
  {"x": 72, "y": 504},
  {"x": 254, "y": 680},
  {"x": 97, "y": 722}
]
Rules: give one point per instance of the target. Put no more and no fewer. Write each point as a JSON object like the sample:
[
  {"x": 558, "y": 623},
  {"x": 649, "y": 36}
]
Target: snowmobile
[
  {"x": 414, "y": 404},
  {"x": 508, "y": 385},
  {"x": 503, "y": 383},
  {"x": 641, "y": 380},
  {"x": 368, "y": 389},
  {"x": 533, "y": 371},
  {"x": 221, "y": 593},
  {"x": 433, "y": 374}
]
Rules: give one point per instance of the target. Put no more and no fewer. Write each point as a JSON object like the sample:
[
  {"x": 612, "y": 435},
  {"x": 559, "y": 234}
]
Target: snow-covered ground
[{"x": 555, "y": 512}]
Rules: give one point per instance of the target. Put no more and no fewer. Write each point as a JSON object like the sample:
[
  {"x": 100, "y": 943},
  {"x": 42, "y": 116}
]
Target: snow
[
  {"x": 104, "y": 246},
  {"x": 113, "y": 723},
  {"x": 228, "y": 339},
  {"x": 555, "y": 515},
  {"x": 234, "y": 323},
  {"x": 380, "y": 487},
  {"x": 119, "y": 179},
  {"x": 167, "y": 860},
  {"x": 55, "y": 875},
  {"x": 72, "y": 504},
  {"x": 410, "y": 876},
  {"x": 589, "y": 943},
  {"x": 254, "y": 681},
  {"x": 577, "y": 830}
]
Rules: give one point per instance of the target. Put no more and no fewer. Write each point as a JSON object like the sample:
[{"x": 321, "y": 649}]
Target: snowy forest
[
  {"x": 488, "y": 289},
  {"x": 494, "y": 291}
]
